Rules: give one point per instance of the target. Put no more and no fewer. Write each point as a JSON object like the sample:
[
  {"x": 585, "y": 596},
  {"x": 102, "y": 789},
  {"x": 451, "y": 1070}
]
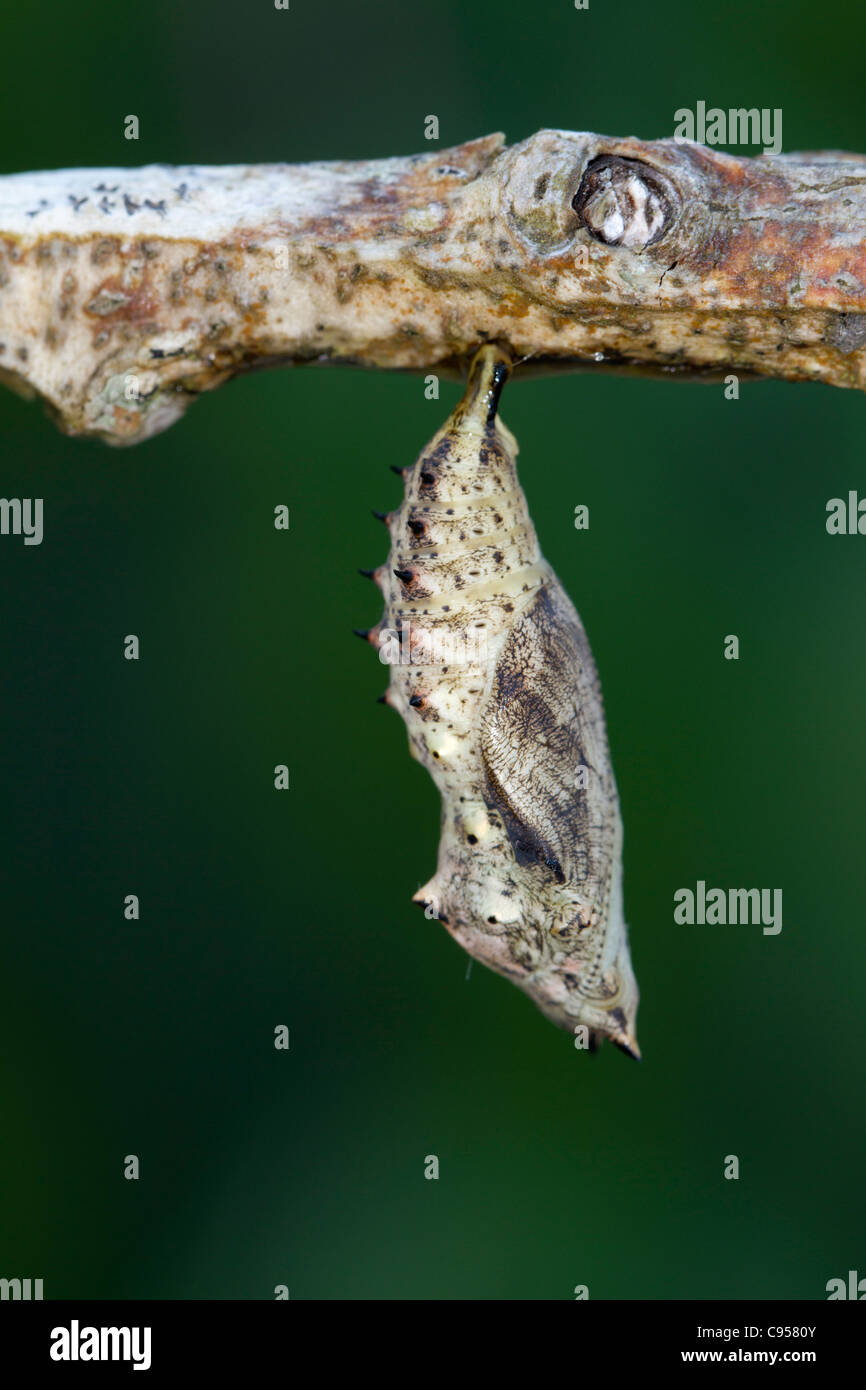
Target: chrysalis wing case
[{"x": 492, "y": 672}]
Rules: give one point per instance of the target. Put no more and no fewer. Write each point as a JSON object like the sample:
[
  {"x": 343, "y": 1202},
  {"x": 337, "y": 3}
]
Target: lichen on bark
[{"x": 125, "y": 293}]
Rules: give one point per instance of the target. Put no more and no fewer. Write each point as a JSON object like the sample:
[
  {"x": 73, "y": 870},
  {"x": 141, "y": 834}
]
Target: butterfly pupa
[{"x": 492, "y": 672}]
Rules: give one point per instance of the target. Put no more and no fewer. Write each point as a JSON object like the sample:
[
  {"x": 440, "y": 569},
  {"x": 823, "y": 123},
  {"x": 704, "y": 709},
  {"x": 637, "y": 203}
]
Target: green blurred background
[{"x": 305, "y": 1168}]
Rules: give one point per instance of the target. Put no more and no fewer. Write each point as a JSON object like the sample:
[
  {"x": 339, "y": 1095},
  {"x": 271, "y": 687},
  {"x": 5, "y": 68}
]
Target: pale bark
[{"x": 126, "y": 292}]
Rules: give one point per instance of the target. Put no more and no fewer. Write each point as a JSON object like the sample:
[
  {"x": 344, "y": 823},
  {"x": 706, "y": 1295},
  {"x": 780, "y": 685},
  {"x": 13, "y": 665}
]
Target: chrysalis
[{"x": 492, "y": 672}]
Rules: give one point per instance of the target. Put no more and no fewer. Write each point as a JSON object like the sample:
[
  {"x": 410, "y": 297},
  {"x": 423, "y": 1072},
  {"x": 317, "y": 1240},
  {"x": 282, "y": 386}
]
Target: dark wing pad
[{"x": 542, "y": 723}]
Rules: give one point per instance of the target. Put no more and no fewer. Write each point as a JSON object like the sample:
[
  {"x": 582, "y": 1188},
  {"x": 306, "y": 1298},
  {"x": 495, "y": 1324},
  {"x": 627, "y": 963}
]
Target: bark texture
[{"x": 126, "y": 292}]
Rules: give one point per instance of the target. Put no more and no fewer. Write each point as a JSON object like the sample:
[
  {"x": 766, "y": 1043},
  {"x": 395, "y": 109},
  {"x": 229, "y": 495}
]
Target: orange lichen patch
[
  {"x": 783, "y": 263},
  {"x": 511, "y": 306},
  {"x": 118, "y": 301}
]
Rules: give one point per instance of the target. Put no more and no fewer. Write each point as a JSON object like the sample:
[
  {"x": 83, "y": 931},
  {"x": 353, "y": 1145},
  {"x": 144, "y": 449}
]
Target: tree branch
[{"x": 126, "y": 292}]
